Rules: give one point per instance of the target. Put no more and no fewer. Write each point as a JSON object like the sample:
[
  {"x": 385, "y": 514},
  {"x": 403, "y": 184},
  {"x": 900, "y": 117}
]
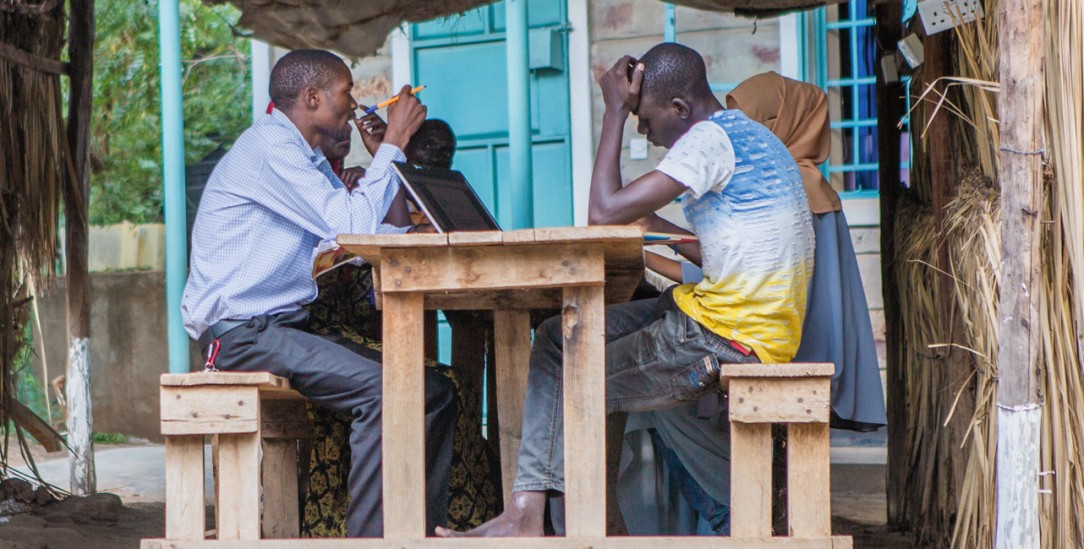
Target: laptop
[{"x": 446, "y": 198}]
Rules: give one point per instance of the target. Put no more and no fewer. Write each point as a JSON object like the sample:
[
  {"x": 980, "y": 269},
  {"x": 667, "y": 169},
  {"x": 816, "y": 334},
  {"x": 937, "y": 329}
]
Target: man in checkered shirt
[{"x": 267, "y": 206}]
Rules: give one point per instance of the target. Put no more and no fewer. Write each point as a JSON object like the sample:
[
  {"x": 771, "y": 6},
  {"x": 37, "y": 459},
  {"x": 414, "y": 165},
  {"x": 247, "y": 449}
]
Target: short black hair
[
  {"x": 432, "y": 145},
  {"x": 302, "y": 69},
  {"x": 672, "y": 70}
]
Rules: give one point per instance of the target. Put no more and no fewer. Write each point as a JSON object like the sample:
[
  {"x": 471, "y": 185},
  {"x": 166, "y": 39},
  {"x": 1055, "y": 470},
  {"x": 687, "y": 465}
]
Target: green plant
[
  {"x": 126, "y": 148},
  {"x": 109, "y": 438}
]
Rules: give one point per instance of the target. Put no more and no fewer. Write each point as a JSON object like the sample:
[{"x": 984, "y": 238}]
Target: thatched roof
[{"x": 358, "y": 28}]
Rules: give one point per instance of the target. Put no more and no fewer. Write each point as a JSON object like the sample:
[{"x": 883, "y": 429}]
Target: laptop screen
[{"x": 446, "y": 198}]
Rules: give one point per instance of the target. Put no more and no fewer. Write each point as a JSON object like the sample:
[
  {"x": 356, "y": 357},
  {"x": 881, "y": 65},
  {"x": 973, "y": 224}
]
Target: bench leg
[
  {"x": 185, "y": 515},
  {"x": 239, "y": 496},
  {"x": 809, "y": 504},
  {"x": 280, "y": 504},
  {"x": 750, "y": 480}
]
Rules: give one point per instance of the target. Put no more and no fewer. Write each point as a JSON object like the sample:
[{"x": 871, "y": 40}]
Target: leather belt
[{"x": 217, "y": 330}]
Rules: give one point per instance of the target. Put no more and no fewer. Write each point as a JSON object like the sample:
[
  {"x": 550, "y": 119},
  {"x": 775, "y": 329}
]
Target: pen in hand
[{"x": 387, "y": 102}]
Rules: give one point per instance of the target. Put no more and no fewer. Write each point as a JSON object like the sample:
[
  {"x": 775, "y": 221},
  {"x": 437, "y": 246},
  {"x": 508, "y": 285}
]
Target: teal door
[{"x": 462, "y": 61}]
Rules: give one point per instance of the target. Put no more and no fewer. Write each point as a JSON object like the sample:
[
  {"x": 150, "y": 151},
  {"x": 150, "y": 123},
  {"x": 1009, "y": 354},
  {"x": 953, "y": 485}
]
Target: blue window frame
[{"x": 850, "y": 84}]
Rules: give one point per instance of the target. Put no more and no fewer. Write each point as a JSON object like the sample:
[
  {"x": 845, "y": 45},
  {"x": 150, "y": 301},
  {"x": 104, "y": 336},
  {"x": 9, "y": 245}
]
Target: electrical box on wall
[
  {"x": 546, "y": 49},
  {"x": 941, "y": 15}
]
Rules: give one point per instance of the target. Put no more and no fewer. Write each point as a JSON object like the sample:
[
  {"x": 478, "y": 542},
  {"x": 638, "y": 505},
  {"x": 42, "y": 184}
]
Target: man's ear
[
  {"x": 681, "y": 107},
  {"x": 311, "y": 97}
]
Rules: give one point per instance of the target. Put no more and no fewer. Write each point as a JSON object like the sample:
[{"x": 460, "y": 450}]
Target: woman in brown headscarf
[{"x": 837, "y": 326}]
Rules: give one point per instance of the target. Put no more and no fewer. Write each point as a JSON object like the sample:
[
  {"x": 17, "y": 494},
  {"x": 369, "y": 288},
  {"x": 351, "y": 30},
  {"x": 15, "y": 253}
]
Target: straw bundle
[
  {"x": 1062, "y": 305},
  {"x": 973, "y": 234},
  {"x": 33, "y": 167},
  {"x": 931, "y": 455}
]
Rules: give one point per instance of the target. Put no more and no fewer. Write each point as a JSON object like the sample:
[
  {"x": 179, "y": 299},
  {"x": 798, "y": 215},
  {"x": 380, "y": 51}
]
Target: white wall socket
[
  {"x": 941, "y": 15},
  {"x": 638, "y": 148}
]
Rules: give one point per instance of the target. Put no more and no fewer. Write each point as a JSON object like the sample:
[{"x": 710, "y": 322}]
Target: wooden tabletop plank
[
  {"x": 518, "y": 236},
  {"x": 370, "y": 245},
  {"x": 475, "y": 238}
]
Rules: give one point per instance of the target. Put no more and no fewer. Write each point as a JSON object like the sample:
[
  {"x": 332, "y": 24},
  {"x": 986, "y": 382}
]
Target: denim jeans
[{"x": 657, "y": 358}]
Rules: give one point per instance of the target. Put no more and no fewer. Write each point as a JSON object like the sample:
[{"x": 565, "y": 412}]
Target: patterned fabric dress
[{"x": 343, "y": 309}]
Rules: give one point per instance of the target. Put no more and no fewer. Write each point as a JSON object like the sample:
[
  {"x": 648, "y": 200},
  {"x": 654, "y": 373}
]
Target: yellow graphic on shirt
[{"x": 763, "y": 312}]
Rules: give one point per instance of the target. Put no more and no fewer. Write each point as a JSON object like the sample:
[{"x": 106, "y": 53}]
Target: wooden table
[{"x": 575, "y": 269}]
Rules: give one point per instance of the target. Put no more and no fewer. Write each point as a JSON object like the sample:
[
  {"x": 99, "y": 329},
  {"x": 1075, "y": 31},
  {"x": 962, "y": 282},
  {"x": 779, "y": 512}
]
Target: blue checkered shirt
[{"x": 267, "y": 206}]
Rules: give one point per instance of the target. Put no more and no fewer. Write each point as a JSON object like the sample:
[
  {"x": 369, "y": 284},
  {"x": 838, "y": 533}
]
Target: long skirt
[
  {"x": 837, "y": 328},
  {"x": 344, "y": 308}
]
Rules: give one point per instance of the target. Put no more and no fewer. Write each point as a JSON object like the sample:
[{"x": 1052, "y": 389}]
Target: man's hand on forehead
[{"x": 621, "y": 86}]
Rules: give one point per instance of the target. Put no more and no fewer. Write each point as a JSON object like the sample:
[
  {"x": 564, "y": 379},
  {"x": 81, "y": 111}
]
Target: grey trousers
[
  {"x": 347, "y": 377},
  {"x": 657, "y": 358}
]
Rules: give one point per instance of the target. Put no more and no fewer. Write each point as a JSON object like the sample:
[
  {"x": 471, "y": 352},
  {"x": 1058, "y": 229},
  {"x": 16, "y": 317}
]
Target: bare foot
[{"x": 522, "y": 518}]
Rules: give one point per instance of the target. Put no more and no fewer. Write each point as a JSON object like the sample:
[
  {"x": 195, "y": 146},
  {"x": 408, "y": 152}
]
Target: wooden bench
[
  {"x": 247, "y": 414},
  {"x": 244, "y": 409},
  {"x": 798, "y": 396}
]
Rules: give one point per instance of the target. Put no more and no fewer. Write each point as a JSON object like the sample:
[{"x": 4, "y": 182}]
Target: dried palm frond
[
  {"x": 33, "y": 168},
  {"x": 973, "y": 234},
  {"x": 924, "y": 374},
  {"x": 1062, "y": 304}
]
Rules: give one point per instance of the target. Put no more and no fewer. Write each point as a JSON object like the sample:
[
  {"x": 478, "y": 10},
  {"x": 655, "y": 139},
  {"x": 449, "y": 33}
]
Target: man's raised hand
[
  {"x": 372, "y": 129},
  {"x": 620, "y": 88},
  {"x": 405, "y": 116}
]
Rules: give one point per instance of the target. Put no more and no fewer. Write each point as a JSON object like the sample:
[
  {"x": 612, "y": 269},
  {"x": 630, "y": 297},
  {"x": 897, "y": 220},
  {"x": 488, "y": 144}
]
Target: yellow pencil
[{"x": 387, "y": 102}]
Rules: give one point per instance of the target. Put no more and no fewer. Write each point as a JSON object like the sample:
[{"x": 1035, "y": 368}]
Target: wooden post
[
  {"x": 1020, "y": 26},
  {"x": 889, "y": 109},
  {"x": 76, "y": 200}
]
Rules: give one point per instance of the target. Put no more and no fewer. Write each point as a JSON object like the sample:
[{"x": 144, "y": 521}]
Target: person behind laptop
[
  {"x": 344, "y": 308},
  {"x": 742, "y": 194},
  {"x": 433, "y": 145},
  {"x": 268, "y": 204}
]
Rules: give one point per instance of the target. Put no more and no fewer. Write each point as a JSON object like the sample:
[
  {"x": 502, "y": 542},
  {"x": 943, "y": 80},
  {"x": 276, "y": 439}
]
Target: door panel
[{"x": 461, "y": 59}]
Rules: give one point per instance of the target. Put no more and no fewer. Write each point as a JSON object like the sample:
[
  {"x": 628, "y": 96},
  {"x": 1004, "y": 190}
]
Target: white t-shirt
[
  {"x": 702, "y": 159},
  {"x": 747, "y": 206}
]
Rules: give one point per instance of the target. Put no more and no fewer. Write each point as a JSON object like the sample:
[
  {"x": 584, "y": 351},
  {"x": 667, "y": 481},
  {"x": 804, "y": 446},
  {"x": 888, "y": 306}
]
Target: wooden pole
[
  {"x": 1020, "y": 26},
  {"x": 889, "y": 110},
  {"x": 76, "y": 198}
]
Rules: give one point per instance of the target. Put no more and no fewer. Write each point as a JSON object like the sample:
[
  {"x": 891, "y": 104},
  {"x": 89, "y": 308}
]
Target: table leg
[
  {"x": 403, "y": 425},
  {"x": 512, "y": 342},
  {"x": 584, "y": 384}
]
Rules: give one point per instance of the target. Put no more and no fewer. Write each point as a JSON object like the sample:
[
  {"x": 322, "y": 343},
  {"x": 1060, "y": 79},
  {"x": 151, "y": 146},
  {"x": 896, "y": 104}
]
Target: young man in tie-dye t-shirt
[{"x": 743, "y": 195}]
